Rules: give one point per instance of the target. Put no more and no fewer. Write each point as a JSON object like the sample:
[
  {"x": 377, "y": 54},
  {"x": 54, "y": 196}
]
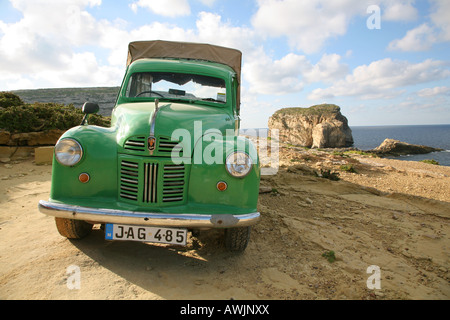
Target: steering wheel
[{"x": 159, "y": 94}]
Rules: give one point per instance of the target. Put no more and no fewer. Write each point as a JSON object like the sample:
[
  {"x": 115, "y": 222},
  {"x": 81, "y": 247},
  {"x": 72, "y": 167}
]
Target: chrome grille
[
  {"x": 152, "y": 182},
  {"x": 173, "y": 185},
  {"x": 135, "y": 144},
  {"x": 166, "y": 146},
  {"x": 150, "y": 192},
  {"x": 129, "y": 180}
]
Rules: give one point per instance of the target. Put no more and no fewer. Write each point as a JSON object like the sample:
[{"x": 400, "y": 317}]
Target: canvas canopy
[{"x": 187, "y": 50}]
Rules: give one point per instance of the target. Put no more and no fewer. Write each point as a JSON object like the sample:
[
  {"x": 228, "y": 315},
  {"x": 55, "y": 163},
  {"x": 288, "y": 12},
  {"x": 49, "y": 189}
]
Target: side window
[{"x": 139, "y": 84}]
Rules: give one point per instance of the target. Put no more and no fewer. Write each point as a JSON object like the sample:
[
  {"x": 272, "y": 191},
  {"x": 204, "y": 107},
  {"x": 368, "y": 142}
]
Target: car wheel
[
  {"x": 73, "y": 229},
  {"x": 236, "y": 239}
]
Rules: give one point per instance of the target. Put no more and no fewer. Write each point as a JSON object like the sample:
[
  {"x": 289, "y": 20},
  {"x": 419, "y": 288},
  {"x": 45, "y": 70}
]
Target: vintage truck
[{"x": 172, "y": 162}]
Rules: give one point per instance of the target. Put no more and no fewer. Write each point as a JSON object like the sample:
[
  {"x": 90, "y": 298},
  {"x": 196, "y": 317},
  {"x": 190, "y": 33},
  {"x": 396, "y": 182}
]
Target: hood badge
[{"x": 151, "y": 144}]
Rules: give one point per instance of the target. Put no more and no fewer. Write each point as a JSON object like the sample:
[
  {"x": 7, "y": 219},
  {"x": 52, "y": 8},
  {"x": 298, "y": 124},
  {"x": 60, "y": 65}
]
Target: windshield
[{"x": 173, "y": 85}]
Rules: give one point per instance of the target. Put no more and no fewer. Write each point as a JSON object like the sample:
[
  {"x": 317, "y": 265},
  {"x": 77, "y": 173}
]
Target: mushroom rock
[{"x": 319, "y": 126}]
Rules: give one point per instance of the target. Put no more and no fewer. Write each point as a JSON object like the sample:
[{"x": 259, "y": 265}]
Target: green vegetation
[
  {"x": 9, "y": 99},
  {"x": 347, "y": 153},
  {"x": 330, "y": 256},
  {"x": 339, "y": 154},
  {"x": 348, "y": 168},
  {"x": 313, "y": 110},
  {"x": 361, "y": 153},
  {"x": 18, "y": 117},
  {"x": 430, "y": 161}
]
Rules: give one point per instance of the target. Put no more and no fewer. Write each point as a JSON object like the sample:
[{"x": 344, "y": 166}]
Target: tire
[
  {"x": 73, "y": 229},
  {"x": 236, "y": 239}
]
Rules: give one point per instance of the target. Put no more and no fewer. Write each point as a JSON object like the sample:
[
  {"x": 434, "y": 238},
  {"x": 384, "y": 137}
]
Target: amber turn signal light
[
  {"x": 222, "y": 186},
  {"x": 84, "y": 177}
]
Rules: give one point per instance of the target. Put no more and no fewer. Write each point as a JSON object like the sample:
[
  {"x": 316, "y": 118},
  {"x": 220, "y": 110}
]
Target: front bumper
[{"x": 148, "y": 218}]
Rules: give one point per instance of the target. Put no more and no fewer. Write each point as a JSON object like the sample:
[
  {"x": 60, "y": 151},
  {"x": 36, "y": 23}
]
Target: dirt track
[{"x": 369, "y": 218}]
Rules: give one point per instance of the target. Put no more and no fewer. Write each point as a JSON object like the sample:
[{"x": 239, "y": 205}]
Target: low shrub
[
  {"x": 430, "y": 161},
  {"x": 42, "y": 116},
  {"x": 348, "y": 168},
  {"x": 9, "y": 99}
]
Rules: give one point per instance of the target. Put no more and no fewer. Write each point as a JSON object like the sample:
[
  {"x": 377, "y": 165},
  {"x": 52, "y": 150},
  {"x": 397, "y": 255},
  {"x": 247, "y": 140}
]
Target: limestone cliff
[{"x": 319, "y": 126}]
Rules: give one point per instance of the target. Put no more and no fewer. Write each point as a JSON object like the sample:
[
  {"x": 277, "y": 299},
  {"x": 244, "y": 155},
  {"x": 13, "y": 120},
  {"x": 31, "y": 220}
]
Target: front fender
[
  {"x": 99, "y": 161},
  {"x": 241, "y": 195}
]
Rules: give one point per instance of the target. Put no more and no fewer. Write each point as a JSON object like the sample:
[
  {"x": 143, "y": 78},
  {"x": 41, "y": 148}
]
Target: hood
[{"x": 137, "y": 120}]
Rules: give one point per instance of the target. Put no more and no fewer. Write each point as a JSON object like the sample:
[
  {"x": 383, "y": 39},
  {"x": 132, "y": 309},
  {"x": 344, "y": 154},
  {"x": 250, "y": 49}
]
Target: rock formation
[
  {"x": 43, "y": 138},
  {"x": 320, "y": 126},
  {"x": 397, "y": 148}
]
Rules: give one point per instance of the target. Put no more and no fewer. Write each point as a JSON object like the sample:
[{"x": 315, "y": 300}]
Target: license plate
[{"x": 146, "y": 234}]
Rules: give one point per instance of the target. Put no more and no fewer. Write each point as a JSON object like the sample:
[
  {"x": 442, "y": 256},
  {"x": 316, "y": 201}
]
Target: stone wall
[
  {"x": 29, "y": 144},
  {"x": 44, "y": 138}
]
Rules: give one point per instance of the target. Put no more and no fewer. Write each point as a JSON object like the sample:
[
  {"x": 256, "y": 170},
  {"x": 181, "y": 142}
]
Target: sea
[{"x": 370, "y": 137}]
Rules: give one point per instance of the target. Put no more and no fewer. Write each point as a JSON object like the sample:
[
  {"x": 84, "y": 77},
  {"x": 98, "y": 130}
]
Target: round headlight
[
  {"x": 68, "y": 152},
  {"x": 238, "y": 164}
]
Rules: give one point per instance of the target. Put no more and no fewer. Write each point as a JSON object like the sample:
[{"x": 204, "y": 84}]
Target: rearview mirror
[{"x": 89, "y": 108}]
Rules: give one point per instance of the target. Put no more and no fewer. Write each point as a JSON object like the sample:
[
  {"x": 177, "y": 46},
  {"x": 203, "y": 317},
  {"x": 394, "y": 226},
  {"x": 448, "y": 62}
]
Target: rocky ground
[{"x": 316, "y": 240}]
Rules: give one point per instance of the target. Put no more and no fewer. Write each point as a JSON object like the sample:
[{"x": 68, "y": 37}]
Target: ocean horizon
[{"x": 370, "y": 137}]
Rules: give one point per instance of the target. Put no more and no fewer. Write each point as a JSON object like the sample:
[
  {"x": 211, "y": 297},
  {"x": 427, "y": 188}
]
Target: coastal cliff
[{"x": 319, "y": 126}]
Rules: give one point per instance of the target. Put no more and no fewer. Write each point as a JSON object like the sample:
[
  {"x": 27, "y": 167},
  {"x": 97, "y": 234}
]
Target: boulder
[
  {"x": 43, "y": 155},
  {"x": 397, "y": 148},
  {"x": 320, "y": 126},
  {"x": 4, "y": 137}
]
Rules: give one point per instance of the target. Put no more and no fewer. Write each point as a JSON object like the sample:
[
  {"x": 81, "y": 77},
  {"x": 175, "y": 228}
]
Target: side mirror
[{"x": 88, "y": 108}]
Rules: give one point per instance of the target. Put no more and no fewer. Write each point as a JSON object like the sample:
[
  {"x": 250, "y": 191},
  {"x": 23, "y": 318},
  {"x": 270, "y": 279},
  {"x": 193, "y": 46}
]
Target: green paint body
[{"x": 203, "y": 128}]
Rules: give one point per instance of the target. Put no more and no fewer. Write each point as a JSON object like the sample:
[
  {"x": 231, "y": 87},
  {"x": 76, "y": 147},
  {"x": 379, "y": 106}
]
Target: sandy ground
[{"x": 390, "y": 214}]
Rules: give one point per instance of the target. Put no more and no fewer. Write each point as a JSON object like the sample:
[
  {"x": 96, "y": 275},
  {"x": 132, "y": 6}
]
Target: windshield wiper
[
  {"x": 177, "y": 100},
  {"x": 212, "y": 100}
]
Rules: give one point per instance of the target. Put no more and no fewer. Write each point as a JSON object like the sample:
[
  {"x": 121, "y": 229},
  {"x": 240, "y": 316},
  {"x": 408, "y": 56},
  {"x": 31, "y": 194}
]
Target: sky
[{"x": 384, "y": 62}]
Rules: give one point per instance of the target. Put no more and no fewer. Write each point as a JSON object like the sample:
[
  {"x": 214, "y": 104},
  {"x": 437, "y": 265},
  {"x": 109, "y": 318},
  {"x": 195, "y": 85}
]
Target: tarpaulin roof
[{"x": 186, "y": 50}]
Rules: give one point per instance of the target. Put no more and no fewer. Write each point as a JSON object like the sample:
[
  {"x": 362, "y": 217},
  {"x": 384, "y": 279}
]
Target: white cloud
[
  {"x": 290, "y": 73},
  {"x": 383, "y": 79},
  {"x": 420, "y": 38},
  {"x": 431, "y": 92},
  {"x": 327, "y": 70},
  {"x": 400, "y": 11},
  {"x": 307, "y": 24},
  {"x": 423, "y": 37},
  {"x": 166, "y": 8},
  {"x": 266, "y": 76},
  {"x": 42, "y": 47},
  {"x": 208, "y": 3},
  {"x": 211, "y": 29},
  {"x": 54, "y": 57},
  {"x": 52, "y": 37},
  {"x": 440, "y": 18}
]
